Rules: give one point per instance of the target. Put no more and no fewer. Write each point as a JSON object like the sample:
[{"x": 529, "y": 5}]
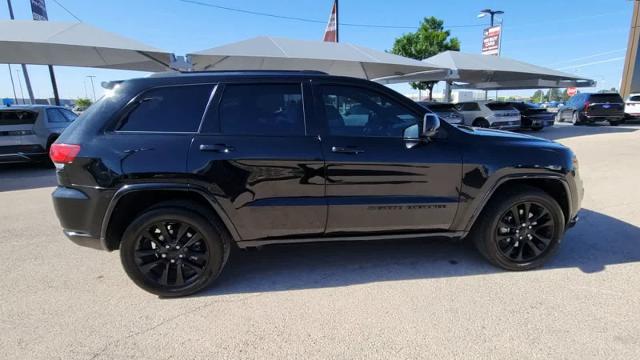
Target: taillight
[
  {"x": 63, "y": 153},
  {"x": 586, "y": 106}
]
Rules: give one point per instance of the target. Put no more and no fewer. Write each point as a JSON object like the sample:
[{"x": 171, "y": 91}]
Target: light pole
[
  {"x": 492, "y": 13},
  {"x": 93, "y": 88}
]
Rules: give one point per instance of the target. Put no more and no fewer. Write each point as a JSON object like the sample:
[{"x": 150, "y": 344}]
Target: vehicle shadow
[
  {"x": 563, "y": 131},
  {"x": 597, "y": 241},
  {"x": 26, "y": 176}
]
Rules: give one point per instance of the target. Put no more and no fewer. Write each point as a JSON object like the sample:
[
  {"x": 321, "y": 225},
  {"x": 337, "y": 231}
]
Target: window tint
[
  {"x": 634, "y": 98},
  {"x": 17, "y": 117},
  {"x": 262, "y": 109},
  {"x": 168, "y": 109},
  {"x": 353, "y": 111},
  {"x": 612, "y": 98},
  {"x": 55, "y": 116},
  {"x": 70, "y": 115}
]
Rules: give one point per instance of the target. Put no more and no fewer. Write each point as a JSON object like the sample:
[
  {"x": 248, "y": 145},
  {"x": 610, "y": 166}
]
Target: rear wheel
[
  {"x": 482, "y": 123},
  {"x": 575, "y": 118},
  {"x": 171, "y": 251},
  {"x": 520, "y": 229}
]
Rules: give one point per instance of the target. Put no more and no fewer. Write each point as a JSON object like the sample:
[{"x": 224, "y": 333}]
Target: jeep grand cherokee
[{"x": 175, "y": 169}]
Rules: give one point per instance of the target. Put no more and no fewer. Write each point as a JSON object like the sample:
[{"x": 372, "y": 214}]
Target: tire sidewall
[
  {"x": 211, "y": 237},
  {"x": 491, "y": 244}
]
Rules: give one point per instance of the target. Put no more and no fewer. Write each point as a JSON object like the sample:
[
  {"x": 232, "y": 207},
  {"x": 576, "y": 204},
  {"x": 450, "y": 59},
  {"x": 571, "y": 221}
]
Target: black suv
[
  {"x": 589, "y": 108},
  {"x": 176, "y": 169},
  {"x": 532, "y": 116}
]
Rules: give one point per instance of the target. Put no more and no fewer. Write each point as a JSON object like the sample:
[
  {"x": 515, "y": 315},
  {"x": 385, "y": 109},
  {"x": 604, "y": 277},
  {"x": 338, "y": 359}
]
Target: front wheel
[
  {"x": 171, "y": 251},
  {"x": 520, "y": 229}
]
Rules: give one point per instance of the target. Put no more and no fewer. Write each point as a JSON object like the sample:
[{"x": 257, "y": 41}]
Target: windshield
[
  {"x": 441, "y": 107},
  {"x": 611, "y": 98}
]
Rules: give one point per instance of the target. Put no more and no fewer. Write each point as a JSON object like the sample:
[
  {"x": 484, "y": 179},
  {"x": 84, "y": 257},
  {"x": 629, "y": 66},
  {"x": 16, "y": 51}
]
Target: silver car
[{"x": 27, "y": 131}]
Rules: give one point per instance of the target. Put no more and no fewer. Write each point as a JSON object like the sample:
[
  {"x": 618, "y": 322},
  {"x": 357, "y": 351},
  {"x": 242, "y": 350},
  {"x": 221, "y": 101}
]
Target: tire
[
  {"x": 482, "y": 123},
  {"x": 537, "y": 128},
  {"x": 575, "y": 118},
  {"x": 177, "y": 266},
  {"x": 559, "y": 117},
  {"x": 495, "y": 247},
  {"x": 614, "y": 123}
]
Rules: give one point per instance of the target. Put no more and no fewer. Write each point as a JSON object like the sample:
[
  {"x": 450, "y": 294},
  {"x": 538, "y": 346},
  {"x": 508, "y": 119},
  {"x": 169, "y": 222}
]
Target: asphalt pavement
[{"x": 416, "y": 299}]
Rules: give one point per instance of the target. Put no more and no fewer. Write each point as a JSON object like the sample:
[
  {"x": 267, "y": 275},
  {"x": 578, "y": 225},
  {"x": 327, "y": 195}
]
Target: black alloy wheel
[
  {"x": 524, "y": 232},
  {"x": 174, "y": 251},
  {"x": 520, "y": 228}
]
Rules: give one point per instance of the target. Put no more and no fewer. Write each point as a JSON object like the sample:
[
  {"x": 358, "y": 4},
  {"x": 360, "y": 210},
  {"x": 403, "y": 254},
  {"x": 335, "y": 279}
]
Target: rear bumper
[
  {"x": 22, "y": 153},
  {"x": 76, "y": 212},
  {"x": 616, "y": 117}
]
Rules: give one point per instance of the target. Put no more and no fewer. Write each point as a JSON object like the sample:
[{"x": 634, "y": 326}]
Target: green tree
[
  {"x": 565, "y": 96},
  {"x": 83, "y": 103},
  {"x": 553, "y": 95},
  {"x": 538, "y": 96},
  {"x": 430, "y": 39}
]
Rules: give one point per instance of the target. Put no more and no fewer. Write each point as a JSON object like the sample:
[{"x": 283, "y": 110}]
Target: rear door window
[
  {"x": 17, "y": 117},
  {"x": 262, "y": 110},
  {"x": 168, "y": 109}
]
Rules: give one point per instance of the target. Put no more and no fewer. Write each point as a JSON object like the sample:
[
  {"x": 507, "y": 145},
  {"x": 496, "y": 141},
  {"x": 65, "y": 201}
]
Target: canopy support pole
[{"x": 56, "y": 97}]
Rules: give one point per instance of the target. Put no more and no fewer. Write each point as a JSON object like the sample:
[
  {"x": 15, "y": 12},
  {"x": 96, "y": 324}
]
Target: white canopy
[
  {"x": 492, "y": 72},
  {"x": 75, "y": 44},
  {"x": 269, "y": 53}
]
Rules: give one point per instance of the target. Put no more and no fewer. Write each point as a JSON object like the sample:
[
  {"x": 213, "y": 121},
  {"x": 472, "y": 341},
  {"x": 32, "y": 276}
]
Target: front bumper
[{"x": 505, "y": 125}]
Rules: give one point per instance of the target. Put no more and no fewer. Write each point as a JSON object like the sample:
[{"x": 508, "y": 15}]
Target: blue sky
[{"x": 587, "y": 37}]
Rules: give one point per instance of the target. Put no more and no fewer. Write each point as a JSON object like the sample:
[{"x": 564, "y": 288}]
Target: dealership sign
[
  {"x": 39, "y": 10},
  {"x": 491, "y": 40},
  {"x": 572, "y": 91}
]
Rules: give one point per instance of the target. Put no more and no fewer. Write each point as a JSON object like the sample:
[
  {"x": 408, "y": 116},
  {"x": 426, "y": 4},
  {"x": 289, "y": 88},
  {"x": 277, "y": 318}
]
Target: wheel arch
[
  {"x": 131, "y": 200},
  {"x": 554, "y": 186}
]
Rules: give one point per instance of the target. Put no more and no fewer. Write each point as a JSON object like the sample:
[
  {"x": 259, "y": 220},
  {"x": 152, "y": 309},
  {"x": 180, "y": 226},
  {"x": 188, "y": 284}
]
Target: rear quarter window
[
  {"x": 17, "y": 117},
  {"x": 168, "y": 109}
]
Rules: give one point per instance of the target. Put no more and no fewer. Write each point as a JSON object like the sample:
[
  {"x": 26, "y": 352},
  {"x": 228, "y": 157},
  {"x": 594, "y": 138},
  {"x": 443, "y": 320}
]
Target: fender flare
[
  {"x": 164, "y": 186},
  {"x": 507, "y": 178}
]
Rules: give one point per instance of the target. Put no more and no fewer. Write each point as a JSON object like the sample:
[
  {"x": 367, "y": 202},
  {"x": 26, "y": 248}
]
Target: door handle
[
  {"x": 219, "y": 148},
  {"x": 346, "y": 150}
]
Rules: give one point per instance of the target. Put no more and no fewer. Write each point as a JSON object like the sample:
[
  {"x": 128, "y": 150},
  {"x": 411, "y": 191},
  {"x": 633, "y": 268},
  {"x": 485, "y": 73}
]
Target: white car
[
  {"x": 489, "y": 114},
  {"x": 632, "y": 105}
]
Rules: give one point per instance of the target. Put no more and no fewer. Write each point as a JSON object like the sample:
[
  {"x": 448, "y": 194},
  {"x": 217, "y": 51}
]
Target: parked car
[
  {"x": 589, "y": 108},
  {"x": 176, "y": 169},
  {"x": 632, "y": 106},
  {"x": 489, "y": 114},
  {"x": 445, "y": 111},
  {"x": 532, "y": 116},
  {"x": 27, "y": 131}
]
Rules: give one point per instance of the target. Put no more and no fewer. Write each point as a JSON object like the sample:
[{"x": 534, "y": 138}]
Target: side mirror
[{"x": 430, "y": 125}]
